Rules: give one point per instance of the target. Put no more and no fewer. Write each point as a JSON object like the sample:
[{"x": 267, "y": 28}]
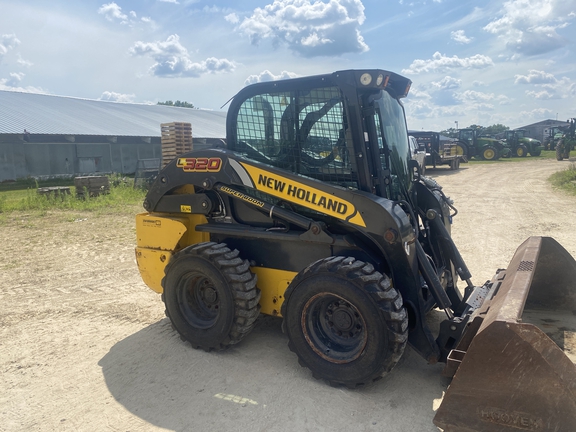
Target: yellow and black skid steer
[{"x": 315, "y": 213}]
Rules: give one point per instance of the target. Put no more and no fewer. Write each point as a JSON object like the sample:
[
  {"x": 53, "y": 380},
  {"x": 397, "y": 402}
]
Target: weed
[{"x": 566, "y": 179}]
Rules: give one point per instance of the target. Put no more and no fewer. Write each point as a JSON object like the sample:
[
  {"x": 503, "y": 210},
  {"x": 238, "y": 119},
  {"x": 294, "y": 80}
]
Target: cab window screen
[{"x": 303, "y": 131}]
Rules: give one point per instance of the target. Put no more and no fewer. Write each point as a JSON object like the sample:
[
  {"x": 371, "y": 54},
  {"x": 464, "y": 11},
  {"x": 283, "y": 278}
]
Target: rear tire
[
  {"x": 210, "y": 295},
  {"x": 559, "y": 152},
  {"x": 489, "y": 153},
  {"x": 345, "y": 321},
  {"x": 462, "y": 150}
]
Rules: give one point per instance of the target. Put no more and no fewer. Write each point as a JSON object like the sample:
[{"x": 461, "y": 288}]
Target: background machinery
[
  {"x": 471, "y": 144},
  {"x": 316, "y": 214},
  {"x": 522, "y": 145},
  {"x": 440, "y": 150}
]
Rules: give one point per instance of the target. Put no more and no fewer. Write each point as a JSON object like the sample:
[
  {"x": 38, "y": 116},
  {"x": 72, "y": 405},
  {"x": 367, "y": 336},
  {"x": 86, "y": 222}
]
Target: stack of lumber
[{"x": 176, "y": 140}]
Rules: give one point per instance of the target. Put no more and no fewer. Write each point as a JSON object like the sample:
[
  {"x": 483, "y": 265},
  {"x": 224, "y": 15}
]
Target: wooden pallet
[{"x": 176, "y": 139}]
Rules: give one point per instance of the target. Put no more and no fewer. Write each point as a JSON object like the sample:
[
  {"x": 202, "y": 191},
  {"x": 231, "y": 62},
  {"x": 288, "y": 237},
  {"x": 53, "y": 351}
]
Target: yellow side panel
[
  {"x": 159, "y": 232},
  {"x": 151, "y": 263},
  {"x": 159, "y": 236},
  {"x": 272, "y": 284},
  {"x": 166, "y": 232}
]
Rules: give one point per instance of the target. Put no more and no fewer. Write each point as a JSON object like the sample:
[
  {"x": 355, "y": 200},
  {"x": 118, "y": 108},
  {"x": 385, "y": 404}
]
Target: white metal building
[{"x": 45, "y": 136}]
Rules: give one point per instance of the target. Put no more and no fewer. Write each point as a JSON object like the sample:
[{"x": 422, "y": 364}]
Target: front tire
[
  {"x": 210, "y": 295},
  {"x": 559, "y": 152},
  {"x": 345, "y": 321},
  {"x": 521, "y": 151}
]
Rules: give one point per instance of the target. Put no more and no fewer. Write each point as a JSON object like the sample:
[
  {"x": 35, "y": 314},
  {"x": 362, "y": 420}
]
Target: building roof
[
  {"x": 548, "y": 122},
  {"x": 46, "y": 114}
]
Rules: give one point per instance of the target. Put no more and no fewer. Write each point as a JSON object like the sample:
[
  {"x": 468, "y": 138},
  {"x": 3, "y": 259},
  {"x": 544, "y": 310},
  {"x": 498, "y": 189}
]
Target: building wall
[
  {"x": 59, "y": 157},
  {"x": 67, "y": 156}
]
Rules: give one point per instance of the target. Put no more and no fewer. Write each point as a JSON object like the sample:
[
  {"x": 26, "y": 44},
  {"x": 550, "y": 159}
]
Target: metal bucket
[{"x": 515, "y": 365}]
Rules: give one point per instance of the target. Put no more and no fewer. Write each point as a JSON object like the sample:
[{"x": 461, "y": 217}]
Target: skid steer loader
[{"x": 316, "y": 213}]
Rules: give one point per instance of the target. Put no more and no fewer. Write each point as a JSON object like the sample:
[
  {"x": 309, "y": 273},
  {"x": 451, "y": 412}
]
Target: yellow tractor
[{"x": 315, "y": 213}]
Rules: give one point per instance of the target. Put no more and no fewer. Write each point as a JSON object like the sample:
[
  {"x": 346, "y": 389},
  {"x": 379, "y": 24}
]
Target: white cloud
[
  {"x": 309, "y": 28},
  {"x": 535, "y": 77},
  {"x": 441, "y": 63},
  {"x": 169, "y": 1},
  {"x": 447, "y": 83},
  {"x": 113, "y": 12},
  {"x": 7, "y": 42},
  {"x": 540, "y": 95},
  {"x": 529, "y": 27},
  {"x": 423, "y": 109},
  {"x": 13, "y": 84},
  {"x": 460, "y": 37},
  {"x": 172, "y": 59},
  {"x": 117, "y": 97},
  {"x": 547, "y": 85},
  {"x": 471, "y": 95},
  {"x": 416, "y": 93},
  {"x": 232, "y": 18},
  {"x": 14, "y": 80},
  {"x": 269, "y": 76},
  {"x": 23, "y": 62},
  {"x": 536, "y": 115}
]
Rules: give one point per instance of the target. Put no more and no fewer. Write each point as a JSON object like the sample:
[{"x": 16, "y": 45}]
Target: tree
[
  {"x": 451, "y": 132},
  {"x": 178, "y": 103},
  {"x": 496, "y": 129}
]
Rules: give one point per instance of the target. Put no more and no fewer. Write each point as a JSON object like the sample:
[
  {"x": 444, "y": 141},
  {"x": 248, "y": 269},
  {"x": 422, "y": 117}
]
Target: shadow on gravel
[
  {"x": 443, "y": 170},
  {"x": 258, "y": 385}
]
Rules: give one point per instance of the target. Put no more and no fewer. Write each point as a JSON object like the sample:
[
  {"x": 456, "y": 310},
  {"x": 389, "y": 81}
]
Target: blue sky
[{"x": 483, "y": 62}]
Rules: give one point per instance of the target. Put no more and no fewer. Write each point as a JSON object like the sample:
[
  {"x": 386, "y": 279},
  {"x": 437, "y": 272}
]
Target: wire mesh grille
[{"x": 304, "y": 132}]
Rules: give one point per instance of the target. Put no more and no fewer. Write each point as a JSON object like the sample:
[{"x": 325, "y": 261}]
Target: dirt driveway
[{"x": 85, "y": 346}]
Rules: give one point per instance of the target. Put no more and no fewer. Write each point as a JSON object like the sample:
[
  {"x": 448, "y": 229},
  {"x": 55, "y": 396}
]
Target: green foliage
[
  {"x": 565, "y": 180},
  {"x": 451, "y": 132},
  {"x": 182, "y": 104},
  {"x": 22, "y": 197},
  {"x": 490, "y": 130},
  {"x": 495, "y": 129}
]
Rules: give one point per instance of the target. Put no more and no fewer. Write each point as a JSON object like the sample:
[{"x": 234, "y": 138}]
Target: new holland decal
[{"x": 303, "y": 195}]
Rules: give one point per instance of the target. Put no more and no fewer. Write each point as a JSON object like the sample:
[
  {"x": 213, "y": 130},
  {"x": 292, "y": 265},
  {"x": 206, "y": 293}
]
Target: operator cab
[{"x": 346, "y": 128}]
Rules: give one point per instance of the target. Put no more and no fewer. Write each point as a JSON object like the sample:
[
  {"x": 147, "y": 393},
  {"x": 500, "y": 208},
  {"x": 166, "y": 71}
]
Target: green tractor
[
  {"x": 567, "y": 141},
  {"x": 471, "y": 144},
  {"x": 521, "y": 145},
  {"x": 554, "y": 134}
]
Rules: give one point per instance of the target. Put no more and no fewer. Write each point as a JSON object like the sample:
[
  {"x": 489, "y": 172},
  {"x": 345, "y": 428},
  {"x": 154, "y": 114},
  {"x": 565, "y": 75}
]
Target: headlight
[{"x": 365, "y": 79}]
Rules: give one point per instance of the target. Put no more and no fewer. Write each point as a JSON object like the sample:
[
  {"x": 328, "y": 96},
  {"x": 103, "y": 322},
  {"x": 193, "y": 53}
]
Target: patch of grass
[
  {"x": 23, "y": 196},
  {"x": 565, "y": 180}
]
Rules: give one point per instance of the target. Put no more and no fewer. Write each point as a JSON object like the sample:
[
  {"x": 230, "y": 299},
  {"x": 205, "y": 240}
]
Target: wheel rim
[
  {"x": 198, "y": 300},
  {"x": 520, "y": 152},
  {"x": 334, "y": 328},
  {"x": 488, "y": 154},
  {"x": 459, "y": 150}
]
